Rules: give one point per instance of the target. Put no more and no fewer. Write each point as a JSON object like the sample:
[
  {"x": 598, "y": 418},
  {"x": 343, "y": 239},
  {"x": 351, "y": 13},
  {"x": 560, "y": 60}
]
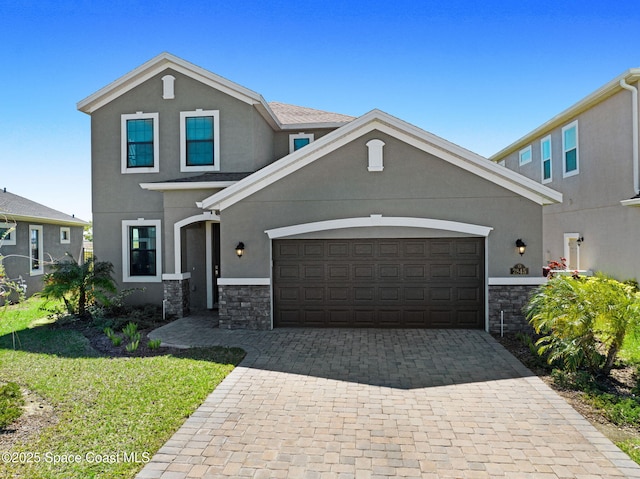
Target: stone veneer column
[
  {"x": 510, "y": 299},
  {"x": 176, "y": 298},
  {"x": 244, "y": 306}
]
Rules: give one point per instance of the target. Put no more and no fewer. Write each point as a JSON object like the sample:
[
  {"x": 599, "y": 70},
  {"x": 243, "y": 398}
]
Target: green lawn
[{"x": 120, "y": 410}]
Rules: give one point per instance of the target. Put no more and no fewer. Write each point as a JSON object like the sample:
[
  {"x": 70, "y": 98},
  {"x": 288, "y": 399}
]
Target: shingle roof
[
  {"x": 293, "y": 115},
  {"x": 14, "y": 206},
  {"x": 215, "y": 176}
]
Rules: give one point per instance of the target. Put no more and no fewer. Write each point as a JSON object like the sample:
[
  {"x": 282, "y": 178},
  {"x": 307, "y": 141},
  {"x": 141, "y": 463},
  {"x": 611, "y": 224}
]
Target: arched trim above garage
[{"x": 380, "y": 221}]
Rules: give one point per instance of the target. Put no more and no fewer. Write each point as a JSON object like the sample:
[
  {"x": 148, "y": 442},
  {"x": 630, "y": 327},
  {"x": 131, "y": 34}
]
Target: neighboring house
[
  {"x": 210, "y": 197},
  {"x": 32, "y": 236},
  {"x": 589, "y": 153}
]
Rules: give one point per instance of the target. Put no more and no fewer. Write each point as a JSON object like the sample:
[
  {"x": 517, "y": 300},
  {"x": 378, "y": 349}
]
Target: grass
[{"x": 115, "y": 408}]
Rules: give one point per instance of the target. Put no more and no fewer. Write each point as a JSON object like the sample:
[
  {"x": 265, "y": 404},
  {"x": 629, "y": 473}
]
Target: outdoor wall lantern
[
  {"x": 240, "y": 249},
  {"x": 580, "y": 240},
  {"x": 521, "y": 246}
]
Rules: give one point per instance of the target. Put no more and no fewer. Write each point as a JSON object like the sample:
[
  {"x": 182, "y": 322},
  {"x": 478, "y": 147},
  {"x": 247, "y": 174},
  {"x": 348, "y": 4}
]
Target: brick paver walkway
[{"x": 377, "y": 404}]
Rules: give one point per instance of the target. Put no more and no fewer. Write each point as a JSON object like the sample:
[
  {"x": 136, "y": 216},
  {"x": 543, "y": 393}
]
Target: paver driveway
[{"x": 372, "y": 403}]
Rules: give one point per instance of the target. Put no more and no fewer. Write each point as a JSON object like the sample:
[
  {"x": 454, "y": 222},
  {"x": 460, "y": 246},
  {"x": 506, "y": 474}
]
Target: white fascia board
[
  {"x": 183, "y": 186},
  {"x": 379, "y": 221},
  {"x": 378, "y": 120},
  {"x": 43, "y": 219},
  {"x": 567, "y": 115}
]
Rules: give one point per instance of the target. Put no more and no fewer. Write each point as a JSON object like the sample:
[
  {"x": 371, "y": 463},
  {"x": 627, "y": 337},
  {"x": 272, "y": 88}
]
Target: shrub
[
  {"x": 11, "y": 403},
  {"x": 583, "y": 321},
  {"x": 79, "y": 285},
  {"x": 154, "y": 343},
  {"x": 130, "y": 330}
]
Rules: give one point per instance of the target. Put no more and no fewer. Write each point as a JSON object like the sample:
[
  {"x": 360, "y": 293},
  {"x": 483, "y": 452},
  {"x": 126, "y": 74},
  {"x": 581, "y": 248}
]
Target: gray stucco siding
[
  {"x": 17, "y": 260},
  {"x": 413, "y": 184}
]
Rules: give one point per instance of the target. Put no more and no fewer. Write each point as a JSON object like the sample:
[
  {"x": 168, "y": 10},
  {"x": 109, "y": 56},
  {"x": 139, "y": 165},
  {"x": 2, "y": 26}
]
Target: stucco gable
[
  {"x": 385, "y": 123},
  {"x": 284, "y": 117}
]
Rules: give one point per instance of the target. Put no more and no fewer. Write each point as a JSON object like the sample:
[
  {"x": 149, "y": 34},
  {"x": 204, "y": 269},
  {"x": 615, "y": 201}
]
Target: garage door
[{"x": 397, "y": 283}]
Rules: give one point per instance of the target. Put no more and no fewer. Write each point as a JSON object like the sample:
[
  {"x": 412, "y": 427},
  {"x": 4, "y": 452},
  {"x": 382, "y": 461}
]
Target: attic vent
[
  {"x": 168, "y": 82},
  {"x": 375, "y": 155}
]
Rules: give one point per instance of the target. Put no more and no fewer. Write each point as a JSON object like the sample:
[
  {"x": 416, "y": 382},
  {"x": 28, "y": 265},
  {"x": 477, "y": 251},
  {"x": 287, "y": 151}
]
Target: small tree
[
  {"x": 583, "y": 321},
  {"x": 79, "y": 285}
]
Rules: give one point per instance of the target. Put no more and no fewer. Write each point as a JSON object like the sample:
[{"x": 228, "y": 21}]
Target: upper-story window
[
  {"x": 545, "y": 159},
  {"x": 299, "y": 140},
  {"x": 199, "y": 140},
  {"x": 140, "y": 143},
  {"x": 571, "y": 158},
  {"x": 525, "y": 156}
]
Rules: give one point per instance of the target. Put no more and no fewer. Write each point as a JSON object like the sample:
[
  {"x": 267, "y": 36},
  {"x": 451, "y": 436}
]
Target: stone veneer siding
[
  {"x": 244, "y": 306},
  {"x": 176, "y": 298},
  {"x": 509, "y": 299}
]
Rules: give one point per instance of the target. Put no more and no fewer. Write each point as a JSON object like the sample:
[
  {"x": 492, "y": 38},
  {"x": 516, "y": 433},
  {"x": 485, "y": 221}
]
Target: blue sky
[{"x": 480, "y": 74}]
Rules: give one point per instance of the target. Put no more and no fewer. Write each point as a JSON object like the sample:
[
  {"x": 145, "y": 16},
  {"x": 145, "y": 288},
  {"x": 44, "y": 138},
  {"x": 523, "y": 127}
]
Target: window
[
  {"x": 65, "y": 235},
  {"x": 199, "y": 140},
  {"x": 36, "y": 267},
  {"x": 141, "y": 251},
  {"x": 140, "y": 143},
  {"x": 545, "y": 159},
  {"x": 299, "y": 140},
  {"x": 571, "y": 163},
  {"x": 525, "y": 156},
  {"x": 7, "y": 234}
]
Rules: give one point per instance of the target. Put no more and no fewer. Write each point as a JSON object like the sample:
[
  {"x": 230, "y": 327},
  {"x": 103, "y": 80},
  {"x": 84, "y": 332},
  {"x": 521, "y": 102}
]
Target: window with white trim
[
  {"x": 200, "y": 140},
  {"x": 298, "y": 140},
  {"x": 545, "y": 159},
  {"x": 36, "y": 265},
  {"x": 139, "y": 137},
  {"x": 65, "y": 235},
  {"x": 141, "y": 251},
  {"x": 570, "y": 156},
  {"x": 525, "y": 156},
  {"x": 7, "y": 234}
]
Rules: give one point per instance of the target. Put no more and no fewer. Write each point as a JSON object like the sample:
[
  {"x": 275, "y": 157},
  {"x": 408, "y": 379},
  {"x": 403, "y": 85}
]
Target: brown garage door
[{"x": 398, "y": 283}]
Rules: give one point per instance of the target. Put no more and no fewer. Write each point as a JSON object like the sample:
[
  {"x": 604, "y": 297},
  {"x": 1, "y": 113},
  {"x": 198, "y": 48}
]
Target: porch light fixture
[
  {"x": 521, "y": 246},
  {"x": 580, "y": 240},
  {"x": 240, "y": 249}
]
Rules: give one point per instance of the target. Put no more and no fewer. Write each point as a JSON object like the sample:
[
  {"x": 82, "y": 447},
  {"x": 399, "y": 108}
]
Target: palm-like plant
[
  {"x": 583, "y": 321},
  {"x": 80, "y": 285}
]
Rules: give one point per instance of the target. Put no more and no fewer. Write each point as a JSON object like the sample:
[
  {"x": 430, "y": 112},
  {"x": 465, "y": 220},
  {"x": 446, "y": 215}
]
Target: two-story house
[
  {"x": 589, "y": 152},
  {"x": 209, "y": 197},
  {"x": 32, "y": 236}
]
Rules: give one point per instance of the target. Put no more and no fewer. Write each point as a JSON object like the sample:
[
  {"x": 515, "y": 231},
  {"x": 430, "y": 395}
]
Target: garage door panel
[
  {"x": 362, "y": 250},
  {"x": 313, "y": 294},
  {"x": 364, "y": 294},
  {"x": 313, "y": 250},
  {"x": 363, "y": 272},
  {"x": 339, "y": 293},
  {"x": 338, "y": 272},
  {"x": 441, "y": 271},
  {"x": 417, "y": 283},
  {"x": 414, "y": 293},
  {"x": 389, "y": 294}
]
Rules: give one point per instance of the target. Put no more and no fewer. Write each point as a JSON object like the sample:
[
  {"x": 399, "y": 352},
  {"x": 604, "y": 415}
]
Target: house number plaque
[{"x": 519, "y": 269}]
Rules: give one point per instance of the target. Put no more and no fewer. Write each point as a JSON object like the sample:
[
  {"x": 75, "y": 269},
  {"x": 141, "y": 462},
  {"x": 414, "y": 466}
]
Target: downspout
[{"x": 634, "y": 125}]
